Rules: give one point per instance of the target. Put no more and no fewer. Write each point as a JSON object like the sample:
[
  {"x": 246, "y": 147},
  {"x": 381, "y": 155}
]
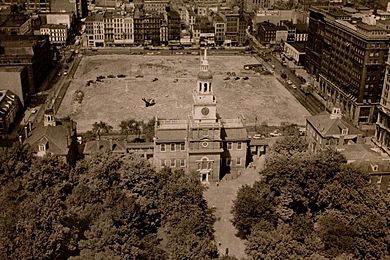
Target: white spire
[{"x": 205, "y": 64}]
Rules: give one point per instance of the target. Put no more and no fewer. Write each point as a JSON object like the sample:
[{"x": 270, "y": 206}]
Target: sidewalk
[{"x": 221, "y": 199}]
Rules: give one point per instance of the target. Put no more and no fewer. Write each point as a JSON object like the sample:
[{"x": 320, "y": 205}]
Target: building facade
[
  {"x": 58, "y": 33},
  {"x": 348, "y": 59},
  {"x": 204, "y": 143},
  {"x": 9, "y": 108},
  {"x": 324, "y": 131},
  {"x": 32, "y": 51},
  {"x": 382, "y": 130}
]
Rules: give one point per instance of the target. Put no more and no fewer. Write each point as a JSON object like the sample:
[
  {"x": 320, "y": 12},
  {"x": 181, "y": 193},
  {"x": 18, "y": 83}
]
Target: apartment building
[
  {"x": 147, "y": 28},
  {"x": 348, "y": 58},
  {"x": 33, "y": 5},
  {"x": 58, "y": 33},
  {"x": 94, "y": 29},
  {"x": 155, "y": 6},
  {"x": 15, "y": 24}
]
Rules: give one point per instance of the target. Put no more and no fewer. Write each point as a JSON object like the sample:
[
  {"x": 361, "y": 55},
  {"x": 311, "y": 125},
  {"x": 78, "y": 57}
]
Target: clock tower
[{"x": 205, "y": 103}]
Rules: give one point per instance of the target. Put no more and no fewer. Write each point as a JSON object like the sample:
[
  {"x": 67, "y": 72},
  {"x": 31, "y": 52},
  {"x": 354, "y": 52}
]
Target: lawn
[{"x": 117, "y": 99}]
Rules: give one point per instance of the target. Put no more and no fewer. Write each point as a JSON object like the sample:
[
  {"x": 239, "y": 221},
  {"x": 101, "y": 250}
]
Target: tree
[
  {"x": 130, "y": 126},
  {"x": 312, "y": 205},
  {"x": 101, "y": 127}
]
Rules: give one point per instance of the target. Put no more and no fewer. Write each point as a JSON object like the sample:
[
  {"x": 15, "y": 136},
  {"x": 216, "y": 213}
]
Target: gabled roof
[
  {"x": 55, "y": 136},
  {"x": 238, "y": 133},
  {"x": 328, "y": 127}
]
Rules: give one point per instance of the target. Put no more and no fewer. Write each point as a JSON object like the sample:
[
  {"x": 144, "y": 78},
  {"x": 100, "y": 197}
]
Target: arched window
[
  {"x": 204, "y": 87},
  {"x": 200, "y": 86}
]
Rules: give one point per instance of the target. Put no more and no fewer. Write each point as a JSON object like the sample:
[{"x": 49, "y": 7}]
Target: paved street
[{"x": 221, "y": 197}]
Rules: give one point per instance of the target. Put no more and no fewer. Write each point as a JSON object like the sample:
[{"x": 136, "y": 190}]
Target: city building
[
  {"x": 296, "y": 51},
  {"x": 382, "y": 130},
  {"x": 268, "y": 33},
  {"x": 16, "y": 80},
  {"x": 147, "y": 27},
  {"x": 348, "y": 59},
  {"x": 292, "y": 29},
  {"x": 174, "y": 26},
  {"x": 69, "y": 19},
  {"x": 9, "y": 108},
  {"x": 77, "y": 7},
  {"x": 32, "y": 51},
  {"x": 301, "y": 33},
  {"x": 54, "y": 137},
  {"x": 155, "y": 6},
  {"x": 204, "y": 143},
  {"x": 94, "y": 29},
  {"x": 58, "y": 33},
  {"x": 220, "y": 29},
  {"x": 324, "y": 131},
  {"x": 32, "y": 5},
  {"x": 255, "y": 5},
  {"x": 16, "y": 24}
]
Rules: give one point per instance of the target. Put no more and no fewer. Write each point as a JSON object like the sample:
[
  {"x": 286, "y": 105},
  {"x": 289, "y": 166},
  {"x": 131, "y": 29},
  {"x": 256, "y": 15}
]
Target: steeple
[{"x": 204, "y": 108}]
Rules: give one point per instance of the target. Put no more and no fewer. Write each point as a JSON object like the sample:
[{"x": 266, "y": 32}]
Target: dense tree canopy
[
  {"x": 107, "y": 207},
  {"x": 312, "y": 206}
]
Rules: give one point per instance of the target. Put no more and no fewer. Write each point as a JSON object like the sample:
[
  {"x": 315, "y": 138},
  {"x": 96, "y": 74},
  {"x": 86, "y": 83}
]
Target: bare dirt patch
[{"x": 116, "y": 99}]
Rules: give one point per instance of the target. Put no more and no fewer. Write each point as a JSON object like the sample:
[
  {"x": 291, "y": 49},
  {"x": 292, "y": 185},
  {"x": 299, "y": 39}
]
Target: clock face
[{"x": 205, "y": 111}]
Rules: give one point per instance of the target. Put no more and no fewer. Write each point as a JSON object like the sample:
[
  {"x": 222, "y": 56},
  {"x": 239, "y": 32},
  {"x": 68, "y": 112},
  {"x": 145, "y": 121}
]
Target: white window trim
[
  {"x": 163, "y": 149},
  {"x": 173, "y": 146},
  {"x": 238, "y": 161},
  {"x": 172, "y": 163},
  {"x": 231, "y": 145},
  {"x": 228, "y": 162}
]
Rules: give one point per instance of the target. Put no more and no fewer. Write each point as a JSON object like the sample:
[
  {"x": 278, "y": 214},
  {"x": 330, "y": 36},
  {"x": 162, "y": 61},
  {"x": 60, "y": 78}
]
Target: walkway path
[{"x": 221, "y": 197}]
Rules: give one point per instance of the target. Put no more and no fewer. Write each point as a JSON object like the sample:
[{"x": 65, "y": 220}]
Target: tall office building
[{"x": 347, "y": 51}]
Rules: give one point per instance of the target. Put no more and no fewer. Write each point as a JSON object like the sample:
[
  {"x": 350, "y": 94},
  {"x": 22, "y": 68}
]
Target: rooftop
[
  {"x": 55, "y": 26},
  {"x": 11, "y": 68}
]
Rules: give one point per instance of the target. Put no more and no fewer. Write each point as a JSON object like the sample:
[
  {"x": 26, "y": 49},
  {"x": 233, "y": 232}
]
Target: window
[
  {"x": 162, "y": 147},
  {"x": 182, "y": 162},
  {"x": 228, "y": 162},
  {"x": 229, "y": 145},
  {"x": 42, "y": 147},
  {"x": 239, "y": 145},
  {"x": 163, "y": 163},
  {"x": 173, "y": 163},
  {"x": 182, "y": 146},
  {"x": 238, "y": 161},
  {"x": 172, "y": 147}
]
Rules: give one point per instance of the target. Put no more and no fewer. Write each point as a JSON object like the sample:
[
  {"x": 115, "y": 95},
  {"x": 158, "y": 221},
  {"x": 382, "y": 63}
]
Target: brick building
[
  {"x": 348, "y": 58},
  {"x": 32, "y": 51},
  {"x": 204, "y": 143}
]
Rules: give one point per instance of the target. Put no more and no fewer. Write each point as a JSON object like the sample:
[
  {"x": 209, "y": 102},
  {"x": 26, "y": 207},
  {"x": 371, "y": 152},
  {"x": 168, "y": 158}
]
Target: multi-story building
[
  {"x": 291, "y": 30},
  {"x": 58, "y": 33},
  {"x": 16, "y": 80},
  {"x": 204, "y": 143},
  {"x": 254, "y": 5},
  {"x": 78, "y": 7},
  {"x": 220, "y": 29},
  {"x": 301, "y": 33},
  {"x": 382, "y": 131},
  {"x": 174, "y": 27},
  {"x": 155, "y": 6},
  {"x": 94, "y": 29},
  {"x": 268, "y": 33},
  {"x": 62, "y": 18},
  {"x": 236, "y": 24},
  {"x": 147, "y": 28},
  {"x": 324, "y": 131},
  {"x": 348, "y": 59},
  {"x": 16, "y": 24},
  {"x": 32, "y": 51},
  {"x": 33, "y": 5},
  {"x": 9, "y": 108}
]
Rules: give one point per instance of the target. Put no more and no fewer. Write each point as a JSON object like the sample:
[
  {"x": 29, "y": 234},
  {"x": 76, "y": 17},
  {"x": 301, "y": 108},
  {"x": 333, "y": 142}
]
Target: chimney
[{"x": 26, "y": 132}]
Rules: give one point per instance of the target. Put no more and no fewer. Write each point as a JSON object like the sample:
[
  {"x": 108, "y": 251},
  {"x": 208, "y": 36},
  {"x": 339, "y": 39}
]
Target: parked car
[
  {"x": 289, "y": 82},
  {"x": 275, "y": 133}
]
